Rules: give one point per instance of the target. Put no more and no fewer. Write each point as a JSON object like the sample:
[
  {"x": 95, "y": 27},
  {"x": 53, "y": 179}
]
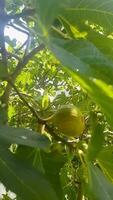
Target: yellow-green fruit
[{"x": 69, "y": 121}]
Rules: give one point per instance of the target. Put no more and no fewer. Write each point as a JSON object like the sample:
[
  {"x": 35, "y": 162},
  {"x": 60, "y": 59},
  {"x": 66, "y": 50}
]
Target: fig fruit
[{"x": 69, "y": 120}]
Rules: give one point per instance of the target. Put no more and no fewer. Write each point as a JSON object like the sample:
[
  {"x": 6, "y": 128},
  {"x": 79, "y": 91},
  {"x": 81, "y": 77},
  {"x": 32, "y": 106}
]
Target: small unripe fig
[{"x": 69, "y": 120}]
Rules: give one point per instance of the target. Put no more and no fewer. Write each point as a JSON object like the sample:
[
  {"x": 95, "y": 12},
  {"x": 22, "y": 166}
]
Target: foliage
[{"x": 66, "y": 59}]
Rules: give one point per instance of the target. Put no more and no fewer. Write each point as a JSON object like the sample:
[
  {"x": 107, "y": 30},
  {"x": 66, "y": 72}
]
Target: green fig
[{"x": 69, "y": 120}]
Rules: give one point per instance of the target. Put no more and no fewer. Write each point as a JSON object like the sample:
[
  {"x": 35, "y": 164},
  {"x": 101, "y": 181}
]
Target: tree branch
[
  {"x": 2, "y": 27},
  {"x": 33, "y": 52},
  {"x": 21, "y": 64},
  {"x": 26, "y": 59},
  {"x": 10, "y": 55},
  {"x": 24, "y": 13}
]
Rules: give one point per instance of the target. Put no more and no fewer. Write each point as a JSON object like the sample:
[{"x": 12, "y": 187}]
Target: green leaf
[
  {"x": 97, "y": 139},
  {"x": 44, "y": 11},
  {"x": 24, "y": 137},
  {"x": 45, "y": 101},
  {"x": 22, "y": 179},
  {"x": 49, "y": 163},
  {"x": 105, "y": 160},
  {"x": 78, "y": 12},
  {"x": 99, "y": 185},
  {"x": 52, "y": 163},
  {"x": 103, "y": 43},
  {"x": 67, "y": 58},
  {"x": 86, "y": 77},
  {"x": 84, "y": 57},
  {"x": 86, "y": 62},
  {"x": 31, "y": 156}
]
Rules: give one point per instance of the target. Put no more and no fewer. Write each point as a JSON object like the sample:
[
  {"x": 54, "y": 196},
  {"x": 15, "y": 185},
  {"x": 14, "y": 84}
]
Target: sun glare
[{"x": 15, "y": 34}]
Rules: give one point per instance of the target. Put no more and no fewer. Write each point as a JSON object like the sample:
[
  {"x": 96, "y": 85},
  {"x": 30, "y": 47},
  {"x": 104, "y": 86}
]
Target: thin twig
[
  {"x": 27, "y": 46},
  {"x": 18, "y": 28},
  {"x": 21, "y": 47},
  {"x": 24, "y": 100}
]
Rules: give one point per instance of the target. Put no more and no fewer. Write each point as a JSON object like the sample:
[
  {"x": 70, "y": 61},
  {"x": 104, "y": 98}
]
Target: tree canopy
[{"x": 64, "y": 57}]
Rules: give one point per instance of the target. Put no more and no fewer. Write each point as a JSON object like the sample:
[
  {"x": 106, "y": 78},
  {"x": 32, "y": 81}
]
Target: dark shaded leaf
[
  {"x": 105, "y": 160},
  {"x": 100, "y": 187},
  {"x": 24, "y": 137},
  {"x": 22, "y": 179}
]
